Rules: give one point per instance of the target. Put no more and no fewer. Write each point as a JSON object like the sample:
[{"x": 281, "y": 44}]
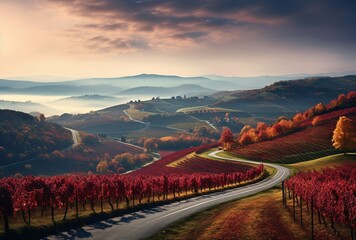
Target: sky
[{"x": 111, "y": 38}]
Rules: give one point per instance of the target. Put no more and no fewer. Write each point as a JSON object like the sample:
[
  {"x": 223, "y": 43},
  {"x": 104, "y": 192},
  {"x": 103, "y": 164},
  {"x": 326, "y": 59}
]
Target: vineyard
[
  {"x": 293, "y": 147},
  {"x": 160, "y": 167},
  {"x": 200, "y": 164},
  {"x": 63, "y": 197},
  {"x": 329, "y": 193}
]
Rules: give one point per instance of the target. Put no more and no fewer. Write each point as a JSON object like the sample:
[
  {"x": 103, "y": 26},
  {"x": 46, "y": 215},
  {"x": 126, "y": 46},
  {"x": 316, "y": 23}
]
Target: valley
[
  {"x": 173, "y": 159},
  {"x": 177, "y": 120}
]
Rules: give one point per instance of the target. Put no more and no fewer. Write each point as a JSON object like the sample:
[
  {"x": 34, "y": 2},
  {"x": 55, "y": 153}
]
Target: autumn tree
[
  {"x": 316, "y": 121},
  {"x": 226, "y": 138},
  {"x": 102, "y": 167},
  {"x": 126, "y": 160},
  {"x": 150, "y": 145},
  {"x": 344, "y": 137}
]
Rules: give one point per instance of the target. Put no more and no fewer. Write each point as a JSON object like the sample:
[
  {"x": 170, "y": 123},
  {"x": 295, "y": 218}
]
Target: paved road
[
  {"x": 143, "y": 224},
  {"x": 76, "y": 137},
  {"x": 135, "y": 120}
]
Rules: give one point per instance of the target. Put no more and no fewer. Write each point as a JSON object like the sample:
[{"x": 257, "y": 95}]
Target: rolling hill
[
  {"x": 154, "y": 80},
  {"x": 309, "y": 143},
  {"x": 300, "y": 93},
  {"x": 186, "y": 89},
  {"x": 27, "y": 107},
  {"x": 88, "y": 101},
  {"x": 24, "y": 136}
]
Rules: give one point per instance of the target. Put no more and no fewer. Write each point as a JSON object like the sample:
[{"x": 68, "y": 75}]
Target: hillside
[
  {"x": 186, "y": 89},
  {"x": 154, "y": 80},
  {"x": 27, "y": 107},
  {"x": 309, "y": 143},
  {"x": 24, "y": 136},
  {"x": 88, "y": 102},
  {"x": 93, "y": 97},
  {"x": 294, "y": 94}
]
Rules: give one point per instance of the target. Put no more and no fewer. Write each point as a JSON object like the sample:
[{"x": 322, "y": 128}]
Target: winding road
[
  {"x": 76, "y": 137},
  {"x": 145, "y": 223},
  {"x": 135, "y": 120}
]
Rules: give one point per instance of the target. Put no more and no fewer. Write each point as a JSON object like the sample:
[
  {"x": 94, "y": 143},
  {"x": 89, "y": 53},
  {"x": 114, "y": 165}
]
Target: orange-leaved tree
[
  {"x": 344, "y": 137},
  {"x": 150, "y": 145},
  {"x": 227, "y": 138}
]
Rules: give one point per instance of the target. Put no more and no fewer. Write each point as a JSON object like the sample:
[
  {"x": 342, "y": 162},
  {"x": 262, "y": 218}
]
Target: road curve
[
  {"x": 143, "y": 224},
  {"x": 76, "y": 137}
]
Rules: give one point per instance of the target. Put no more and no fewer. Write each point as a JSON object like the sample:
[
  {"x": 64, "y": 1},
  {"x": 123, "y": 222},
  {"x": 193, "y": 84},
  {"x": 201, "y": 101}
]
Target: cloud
[
  {"x": 190, "y": 35},
  {"x": 105, "y": 27},
  {"x": 117, "y": 44},
  {"x": 158, "y": 21}
]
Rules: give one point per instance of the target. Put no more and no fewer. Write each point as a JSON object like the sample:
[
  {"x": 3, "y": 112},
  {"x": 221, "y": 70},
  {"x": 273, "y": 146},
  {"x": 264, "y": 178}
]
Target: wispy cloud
[
  {"x": 157, "y": 21},
  {"x": 235, "y": 36}
]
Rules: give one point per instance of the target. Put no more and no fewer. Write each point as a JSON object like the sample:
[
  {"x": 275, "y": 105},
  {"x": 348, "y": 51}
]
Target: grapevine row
[
  {"x": 331, "y": 192},
  {"x": 25, "y": 195}
]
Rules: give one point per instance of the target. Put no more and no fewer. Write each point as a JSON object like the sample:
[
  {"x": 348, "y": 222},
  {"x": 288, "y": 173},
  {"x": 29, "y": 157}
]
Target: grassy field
[
  {"x": 138, "y": 114},
  {"x": 261, "y": 216},
  {"x": 152, "y": 132},
  {"x": 329, "y": 161}
]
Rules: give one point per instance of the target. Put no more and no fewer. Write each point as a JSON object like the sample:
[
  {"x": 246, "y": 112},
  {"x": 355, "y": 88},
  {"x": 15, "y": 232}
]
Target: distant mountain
[
  {"x": 30, "y": 88},
  {"x": 185, "y": 89},
  {"x": 94, "y": 97},
  {"x": 154, "y": 80},
  {"x": 110, "y": 86},
  {"x": 27, "y": 107},
  {"x": 88, "y": 101},
  {"x": 41, "y": 78},
  {"x": 19, "y": 84},
  {"x": 245, "y": 83}
]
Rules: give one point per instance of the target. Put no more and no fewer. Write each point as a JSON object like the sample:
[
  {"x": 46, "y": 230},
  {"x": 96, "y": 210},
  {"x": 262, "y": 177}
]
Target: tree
[
  {"x": 150, "y": 145},
  {"x": 6, "y": 207},
  {"x": 317, "y": 121},
  {"x": 344, "y": 136},
  {"x": 126, "y": 160},
  {"x": 42, "y": 117},
  {"x": 102, "y": 167},
  {"x": 90, "y": 140},
  {"x": 227, "y": 138}
]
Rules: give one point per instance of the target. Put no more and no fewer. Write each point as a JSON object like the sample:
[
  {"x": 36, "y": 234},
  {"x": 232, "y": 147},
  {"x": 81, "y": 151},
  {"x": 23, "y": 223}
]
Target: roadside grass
[
  {"x": 261, "y": 216},
  {"x": 317, "y": 164}
]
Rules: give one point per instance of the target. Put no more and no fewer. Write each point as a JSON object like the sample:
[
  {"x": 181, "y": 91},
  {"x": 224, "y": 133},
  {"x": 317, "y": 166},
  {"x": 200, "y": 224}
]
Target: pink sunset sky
[{"x": 107, "y": 38}]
